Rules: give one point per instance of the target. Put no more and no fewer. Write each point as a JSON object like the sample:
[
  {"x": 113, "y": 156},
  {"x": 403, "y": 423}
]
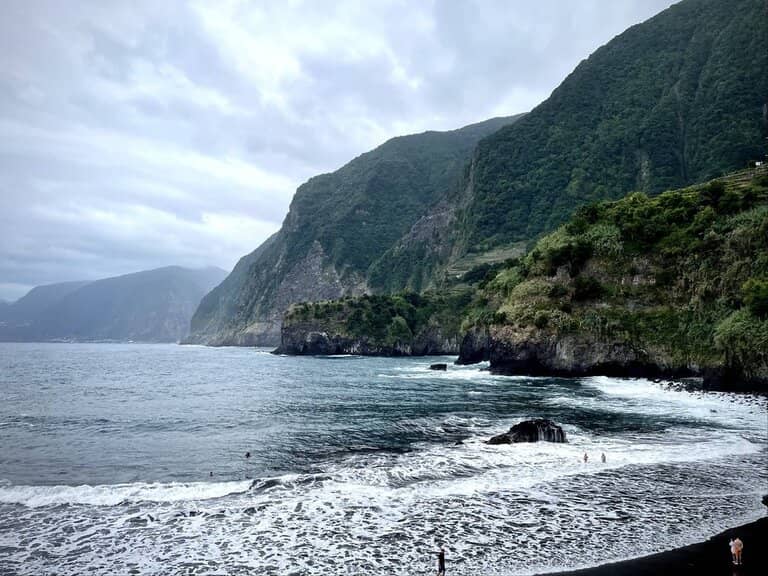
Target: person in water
[
  {"x": 602, "y": 457},
  {"x": 441, "y": 562},
  {"x": 585, "y": 458}
]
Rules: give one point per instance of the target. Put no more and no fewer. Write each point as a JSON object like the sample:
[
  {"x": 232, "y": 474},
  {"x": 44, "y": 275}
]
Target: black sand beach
[{"x": 710, "y": 558}]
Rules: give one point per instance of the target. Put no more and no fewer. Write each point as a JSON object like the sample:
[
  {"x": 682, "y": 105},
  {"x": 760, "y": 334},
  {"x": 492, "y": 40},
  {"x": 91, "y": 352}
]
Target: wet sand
[{"x": 712, "y": 557}]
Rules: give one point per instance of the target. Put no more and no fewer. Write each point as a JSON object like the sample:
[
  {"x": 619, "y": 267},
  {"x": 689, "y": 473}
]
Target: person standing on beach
[
  {"x": 736, "y": 548},
  {"x": 441, "y": 562}
]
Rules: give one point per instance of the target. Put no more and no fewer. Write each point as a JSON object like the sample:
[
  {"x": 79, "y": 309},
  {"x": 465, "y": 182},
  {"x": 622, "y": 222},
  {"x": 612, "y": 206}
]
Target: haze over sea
[{"x": 356, "y": 464}]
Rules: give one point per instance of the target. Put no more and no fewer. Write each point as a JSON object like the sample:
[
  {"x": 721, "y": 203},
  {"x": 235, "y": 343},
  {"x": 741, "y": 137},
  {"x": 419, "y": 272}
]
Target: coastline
[{"x": 710, "y": 557}]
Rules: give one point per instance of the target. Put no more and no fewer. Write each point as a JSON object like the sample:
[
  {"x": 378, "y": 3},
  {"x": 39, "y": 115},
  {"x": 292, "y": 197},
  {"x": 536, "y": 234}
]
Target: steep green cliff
[
  {"x": 676, "y": 284},
  {"x": 338, "y": 225},
  {"x": 678, "y": 99},
  {"x": 671, "y": 285}
]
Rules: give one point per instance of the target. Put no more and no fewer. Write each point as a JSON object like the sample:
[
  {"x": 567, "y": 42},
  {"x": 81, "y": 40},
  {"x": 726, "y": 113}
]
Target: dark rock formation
[
  {"x": 438, "y": 366},
  {"x": 474, "y": 346},
  {"x": 314, "y": 340},
  {"x": 539, "y": 429},
  {"x": 534, "y": 351}
]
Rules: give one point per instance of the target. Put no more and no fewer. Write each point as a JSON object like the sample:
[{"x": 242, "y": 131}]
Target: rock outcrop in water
[
  {"x": 671, "y": 286},
  {"x": 316, "y": 340},
  {"x": 401, "y": 325},
  {"x": 538, "y": 352},
  {"x": 537, "y": 430}
]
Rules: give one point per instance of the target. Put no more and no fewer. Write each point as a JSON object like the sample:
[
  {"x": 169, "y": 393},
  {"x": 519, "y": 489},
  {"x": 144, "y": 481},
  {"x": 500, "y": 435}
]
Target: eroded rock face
[
  {"x": 474, "y": 346},
  {"x": 315, "y": 339},
  {"x": 534, "y": 351},
  {"x": 537, "y": 430}
]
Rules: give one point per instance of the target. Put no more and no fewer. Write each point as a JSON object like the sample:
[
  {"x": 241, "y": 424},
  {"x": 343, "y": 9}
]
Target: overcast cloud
[{"x": 141, "y": 134}]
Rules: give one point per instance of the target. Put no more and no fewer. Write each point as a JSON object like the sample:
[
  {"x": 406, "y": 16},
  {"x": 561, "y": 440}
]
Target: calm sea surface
[{"x": 130, "y": 459}]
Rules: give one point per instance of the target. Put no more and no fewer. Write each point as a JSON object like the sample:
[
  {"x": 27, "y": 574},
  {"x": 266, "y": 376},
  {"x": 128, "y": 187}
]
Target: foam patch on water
[{"x": 112, "y": 495}]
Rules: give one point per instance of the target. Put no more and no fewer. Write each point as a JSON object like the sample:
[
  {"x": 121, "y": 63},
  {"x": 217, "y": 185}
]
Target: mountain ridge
[
  {"x": 675, "y": 100},
  {"x": 150, "y": 305},
  {"x": 338, "y": 224}
]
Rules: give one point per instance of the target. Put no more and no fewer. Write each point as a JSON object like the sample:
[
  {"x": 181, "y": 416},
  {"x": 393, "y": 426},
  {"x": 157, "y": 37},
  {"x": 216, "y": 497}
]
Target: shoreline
[{"x": 710, "y": 557}]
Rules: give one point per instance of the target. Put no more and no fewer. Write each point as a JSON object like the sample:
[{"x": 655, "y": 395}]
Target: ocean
[{"x": 131, "y": 459}]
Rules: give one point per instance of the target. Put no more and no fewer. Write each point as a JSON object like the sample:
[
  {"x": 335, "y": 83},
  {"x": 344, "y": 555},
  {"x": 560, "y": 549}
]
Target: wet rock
[
  {"x": 438, "y": 366},
  {"x": 539, "y": 429},
  {"x": 474, "y": 347}
]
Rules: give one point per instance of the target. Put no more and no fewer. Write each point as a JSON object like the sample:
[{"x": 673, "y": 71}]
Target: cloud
[{"x": 141, "y": 134}]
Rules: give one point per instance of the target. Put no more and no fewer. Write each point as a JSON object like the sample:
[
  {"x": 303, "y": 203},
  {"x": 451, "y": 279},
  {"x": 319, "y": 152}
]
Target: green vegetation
[
  {"x": 755, "y": 295},
  {"x": 361, "y": 210},
  {"x": 673, "y": 101},
  {"x": 681, "y": 275},
  {"x": 387, "y": 321},
  {"x": 338, "y": 227},
  {"x": 670, "y": 102}
]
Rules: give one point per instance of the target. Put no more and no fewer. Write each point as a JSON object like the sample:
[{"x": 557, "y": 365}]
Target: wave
[
  {"x": 644, "y": 396},
  {"x": 116, "y": 494}
]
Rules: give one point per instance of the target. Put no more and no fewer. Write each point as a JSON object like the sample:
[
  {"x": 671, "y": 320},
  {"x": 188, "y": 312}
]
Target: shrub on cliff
[{"x": 755, "y": 295}]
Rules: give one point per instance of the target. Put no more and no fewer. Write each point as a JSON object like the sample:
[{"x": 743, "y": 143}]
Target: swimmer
[
  {"x": 585, "y": 458},
  {"x": 602, "y": 457},
  {"x": 441, "y": 562}
]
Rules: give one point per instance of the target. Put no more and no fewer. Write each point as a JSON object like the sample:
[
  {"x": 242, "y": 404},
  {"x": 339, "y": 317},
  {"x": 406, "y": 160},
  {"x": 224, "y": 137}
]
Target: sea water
[{"x": 130, "y": 459}]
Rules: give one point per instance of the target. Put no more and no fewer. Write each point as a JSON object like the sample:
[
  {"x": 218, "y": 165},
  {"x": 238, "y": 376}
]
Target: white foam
[
  {"x": 646, "y": 397},
  {"x": 112, "y": 495},
  {"x": 517, "y": 509}
]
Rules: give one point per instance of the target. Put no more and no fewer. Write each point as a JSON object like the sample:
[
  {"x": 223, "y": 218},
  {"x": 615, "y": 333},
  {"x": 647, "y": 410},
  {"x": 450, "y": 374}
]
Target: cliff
[
  {"x": 675, "y": 285},
  {"x": 678, "y": 99},
  {"x": 338, "y": 227},
  {"x": 675, "y": 100},
  {"x": 406, "y": 324}
]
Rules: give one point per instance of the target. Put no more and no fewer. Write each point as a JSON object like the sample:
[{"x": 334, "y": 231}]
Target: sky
[{"x": 140, "y": 134}]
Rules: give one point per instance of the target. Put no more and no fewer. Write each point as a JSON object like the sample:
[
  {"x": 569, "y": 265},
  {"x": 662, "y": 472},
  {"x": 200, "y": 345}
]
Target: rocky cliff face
[
  {"x": 671, "y": 286},
  {"x": 313, "y": 338},
  {"x": 672, "y": 101},
  {"x": 244, "y": 318},
  {"x": 339, "y": 227},
  {"x": 535, "y": 351}
]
